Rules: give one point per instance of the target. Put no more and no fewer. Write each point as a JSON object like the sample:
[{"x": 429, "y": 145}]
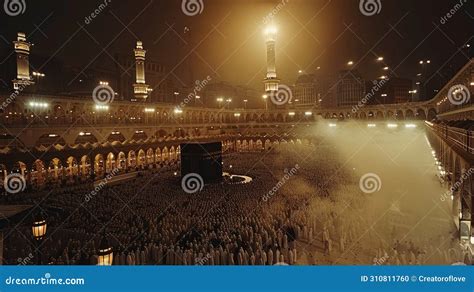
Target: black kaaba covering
[{"x": 204, "y": 159}]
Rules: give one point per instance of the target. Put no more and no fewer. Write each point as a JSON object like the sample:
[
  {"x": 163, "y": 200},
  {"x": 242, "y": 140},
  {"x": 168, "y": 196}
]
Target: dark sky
[{"x": 226, "y": 40}]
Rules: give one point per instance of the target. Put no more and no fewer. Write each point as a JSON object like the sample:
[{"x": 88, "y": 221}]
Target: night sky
[{"x": 225, "y": 41}]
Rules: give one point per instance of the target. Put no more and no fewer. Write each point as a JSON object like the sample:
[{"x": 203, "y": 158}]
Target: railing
[{"x": 462, "y": 138}]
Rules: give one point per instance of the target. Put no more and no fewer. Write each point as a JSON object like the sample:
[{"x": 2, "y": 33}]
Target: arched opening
[
  {"x": 158, "y": 156},
  {"x": 122, "y": 162},
  {"x": 99, "y": 169},
  {"x": 420, "y": 114},
  {"x": 141, "y": 159},
  {"x": 55, "y": 171},
  {"x": 38, "y": 175},
  {"x": 399, "y": 115},
  {"x": 110, "y": 164},
  {"x": 72, "y": 170},
  {"x": 150, "y": 157},
  {"x": 132, "y": 160},
  {"x": 85, "y": 168},
  {"x": 165, "y": 154},
  {"x": 432, "y": 114}
]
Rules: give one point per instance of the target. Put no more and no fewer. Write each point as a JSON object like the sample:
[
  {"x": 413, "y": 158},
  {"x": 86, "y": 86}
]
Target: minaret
[
  {"x": 271, "y": 81},
  {"x": 140, "y": 88},
  {"x": 22, "y": 50}
]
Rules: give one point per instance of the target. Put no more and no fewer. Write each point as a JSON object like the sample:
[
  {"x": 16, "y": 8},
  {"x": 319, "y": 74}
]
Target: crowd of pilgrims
[{"x": 151, "y": 221}]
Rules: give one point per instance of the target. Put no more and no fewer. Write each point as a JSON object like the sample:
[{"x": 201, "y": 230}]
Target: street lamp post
[
  {"x": 39, "y": 230},
  {"x": 265, "y": 97},
  {"x": 219, "y": 101},
  {"x": 105, "y": 254}
]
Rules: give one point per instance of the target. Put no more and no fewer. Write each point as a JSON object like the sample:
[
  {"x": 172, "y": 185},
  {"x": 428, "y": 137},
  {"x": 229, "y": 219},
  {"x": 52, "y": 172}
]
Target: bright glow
[
  {"x": 421, "y": 62},
  {"x": 380, "y": 59},
  {"x": 38, "y": 104},
  {"x": 149, "y": 110},
  {"x": 52, "y": 135},
  {"x": 264, "y": 96},
  {"x": 178, "y": 111},
  {"x": 101, "y": 107},
  {"x": 428, "y": 62},
  {"x": 219, "y": 99},
  {"x": 452, "y": 198},
  {"x": 103, "y": 83},
  {"x": 38, "y": 74},
  {"x": 371, "y": 125},
  {"x": 429, "y": 123},
  {"x": 460, "y": 215},
  {"x": 300, "y": 71},
  {"x": 229, "y": 100},
  {"x": 271, "y": 30},
  {"x": 115, "y": 133},
  {"x": 383, "y": 77},
  {"x": 198, "y": 97},
  {"x": 472, "y": 239},
  {"x": 291, "y": 113},
  {"x": 392, "y": 126},
  {"x": 332, "y": 125},
  {"x": 410, "y": 126},
  {"x": 472, "y": 83},
  {"x": 308, "y": 113},
  {"x": 139, "y": 132},
  {"x": 383, "y": 94},
  {"x": 385, "y": 68},
  {"x": 350, "y": 63},
  {"x": 237, "y": 115},
  {"x": 413, "y": 91}
]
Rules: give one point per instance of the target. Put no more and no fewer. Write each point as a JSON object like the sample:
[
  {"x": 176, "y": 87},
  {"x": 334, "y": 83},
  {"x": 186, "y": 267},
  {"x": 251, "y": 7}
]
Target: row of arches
[
  {"x": 87, "y": 167},
  {"x": 418, "y": 114},
  {"x": 92, "y": 167}
]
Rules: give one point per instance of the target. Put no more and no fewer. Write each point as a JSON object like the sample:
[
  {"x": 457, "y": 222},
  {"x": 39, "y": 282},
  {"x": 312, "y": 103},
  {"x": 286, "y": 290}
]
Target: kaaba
[{"x": 204, "y": 159}]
